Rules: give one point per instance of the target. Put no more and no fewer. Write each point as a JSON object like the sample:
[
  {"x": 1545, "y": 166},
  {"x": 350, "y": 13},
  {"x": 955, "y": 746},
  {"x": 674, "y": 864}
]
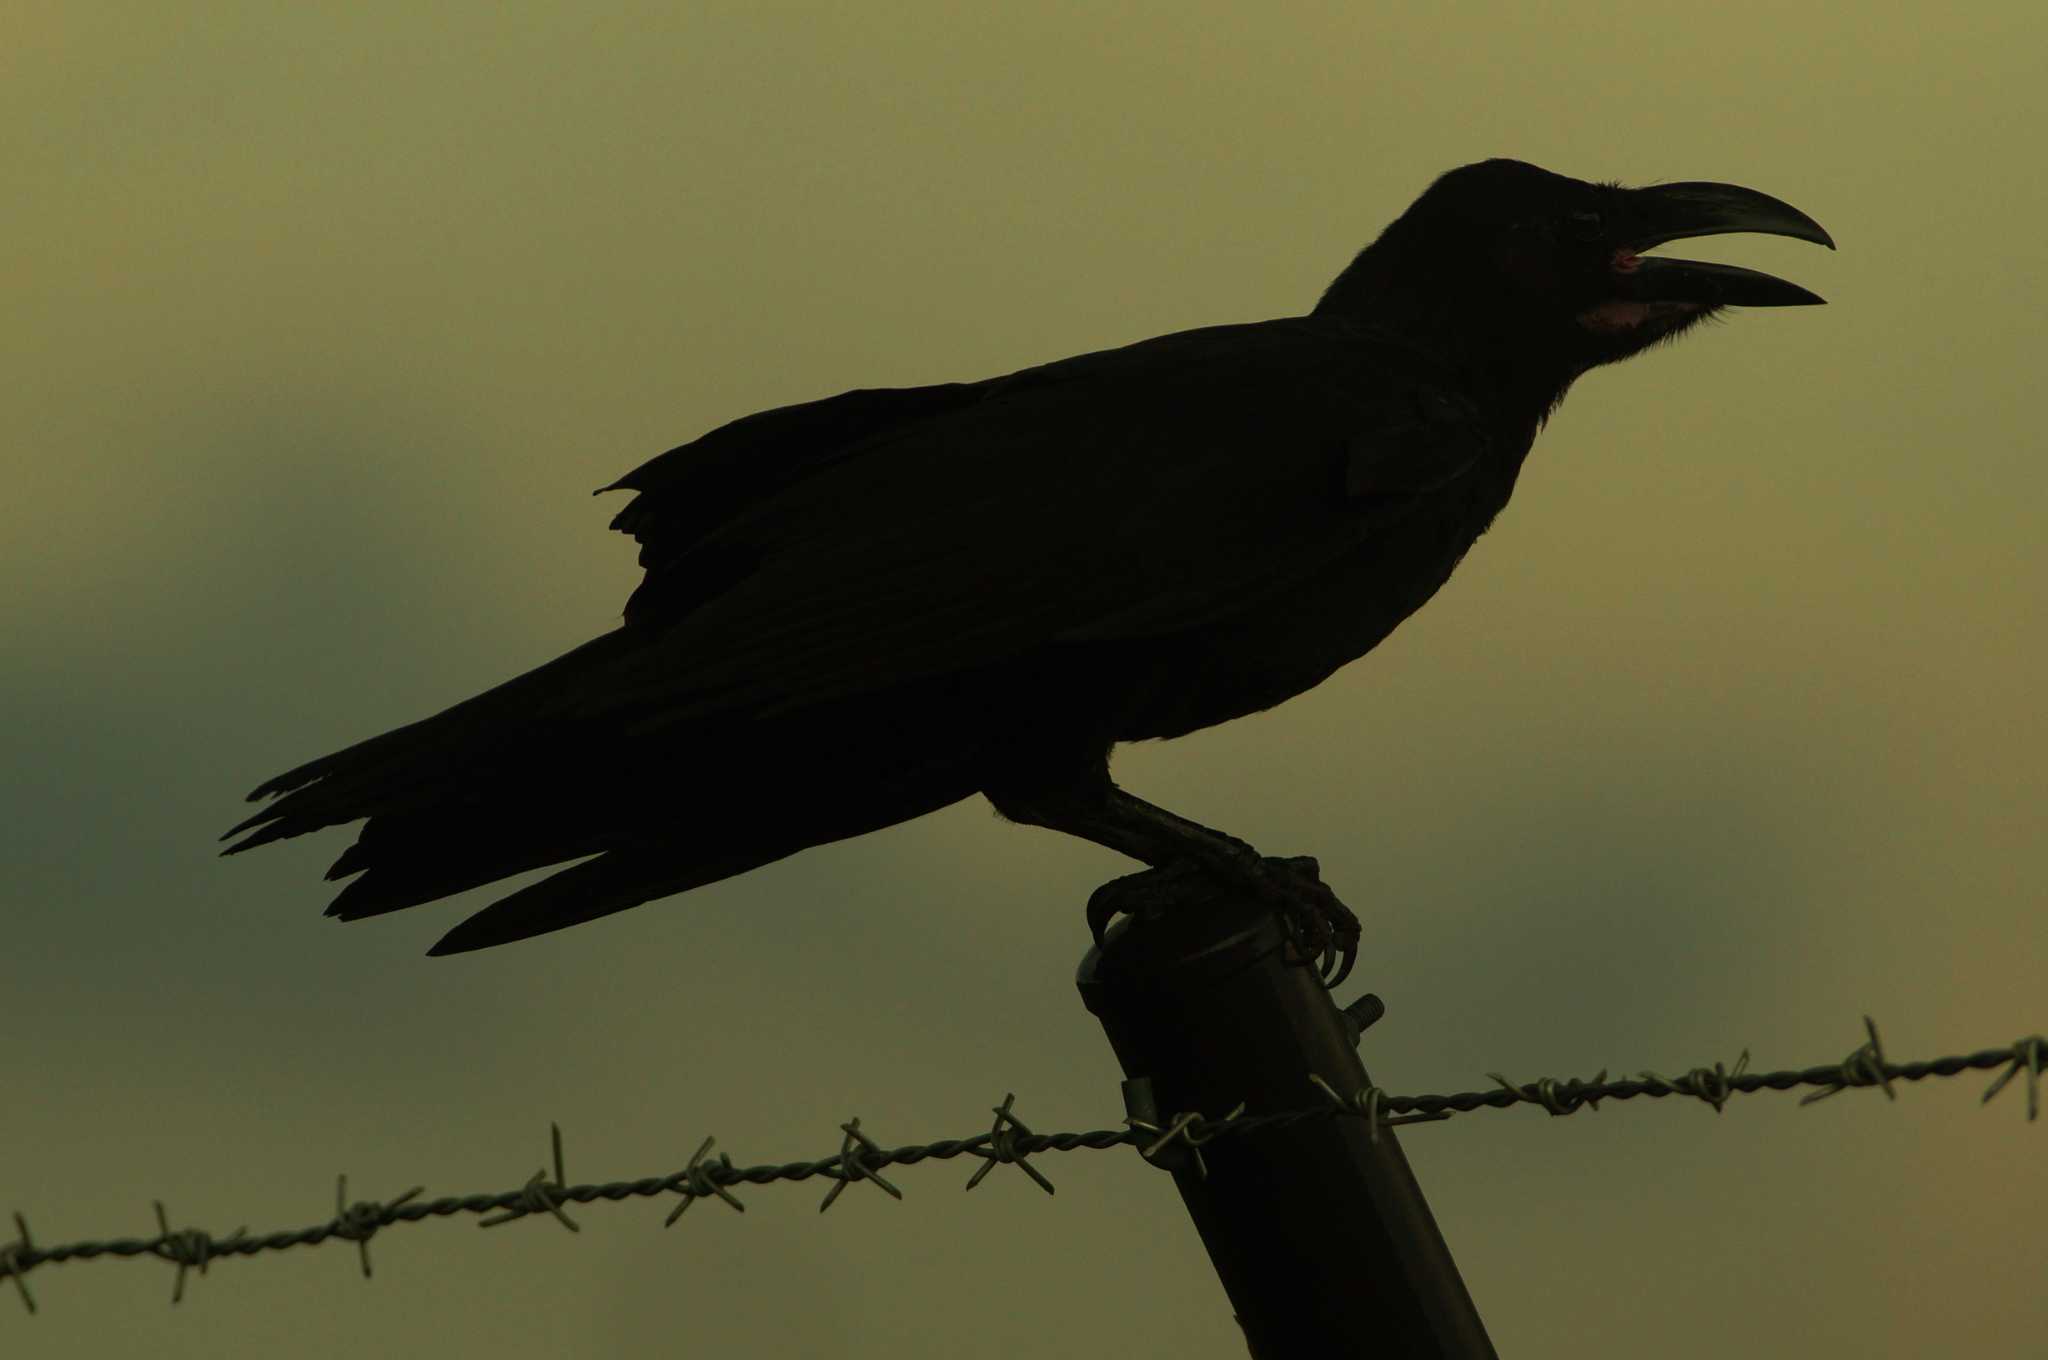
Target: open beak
[{"x": 1672, "y": 212}]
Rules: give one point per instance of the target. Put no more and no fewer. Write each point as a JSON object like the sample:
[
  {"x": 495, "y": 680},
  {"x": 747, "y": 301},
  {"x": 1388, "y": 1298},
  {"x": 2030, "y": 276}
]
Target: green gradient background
[{"x": 319, "y": 330}]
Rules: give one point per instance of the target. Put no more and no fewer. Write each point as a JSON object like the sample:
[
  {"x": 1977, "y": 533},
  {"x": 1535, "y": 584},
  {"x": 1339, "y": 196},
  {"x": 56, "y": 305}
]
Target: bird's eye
[{"x": 1584, "y": 225}]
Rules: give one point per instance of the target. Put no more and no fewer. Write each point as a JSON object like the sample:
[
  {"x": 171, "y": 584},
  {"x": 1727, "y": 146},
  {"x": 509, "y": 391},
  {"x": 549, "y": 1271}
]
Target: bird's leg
[{"x": 1097, "y": 810}]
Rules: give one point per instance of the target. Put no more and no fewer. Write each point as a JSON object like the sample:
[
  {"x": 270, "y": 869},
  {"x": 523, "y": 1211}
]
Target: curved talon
[
  {"x": 1349, "y": 957},
  {"x": 1136, "y": 894},
  {"x": 1101, "y": 911},
  {"x": 1320, "y": 926},
  {"x": 1337, "y": 952}
]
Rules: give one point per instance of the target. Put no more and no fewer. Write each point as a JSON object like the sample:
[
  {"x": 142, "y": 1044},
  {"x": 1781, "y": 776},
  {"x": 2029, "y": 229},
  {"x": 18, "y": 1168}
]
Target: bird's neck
[
  {"x": 1518, "y": 378},
  {"x": 1520, "y": 390}
]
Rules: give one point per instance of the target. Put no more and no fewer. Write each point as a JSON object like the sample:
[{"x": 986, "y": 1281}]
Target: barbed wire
[{"x": 1174, "y": 1142}]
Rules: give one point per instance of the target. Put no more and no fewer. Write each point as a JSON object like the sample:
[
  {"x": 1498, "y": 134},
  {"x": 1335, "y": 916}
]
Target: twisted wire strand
[{"x": 1009, "y": 1141}]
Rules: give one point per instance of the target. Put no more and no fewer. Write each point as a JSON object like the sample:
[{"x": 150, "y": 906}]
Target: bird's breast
[{"x": 1296, "y": 638}]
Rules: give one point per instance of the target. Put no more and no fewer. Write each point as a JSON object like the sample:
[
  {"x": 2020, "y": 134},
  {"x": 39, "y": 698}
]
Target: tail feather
[
  {"x": 611, "y": 882},
  {"x": 559, "y": 808},
  {"x": 489, "y": 790},
  {"x": 416, "y": 765},
  {"x": 434, "y": 866},
  {"x": 737, "y": 836}
]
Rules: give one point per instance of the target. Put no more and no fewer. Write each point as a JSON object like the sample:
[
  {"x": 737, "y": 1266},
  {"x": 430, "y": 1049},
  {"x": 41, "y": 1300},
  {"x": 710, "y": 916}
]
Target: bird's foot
[{"x": 1318, "y": 926}]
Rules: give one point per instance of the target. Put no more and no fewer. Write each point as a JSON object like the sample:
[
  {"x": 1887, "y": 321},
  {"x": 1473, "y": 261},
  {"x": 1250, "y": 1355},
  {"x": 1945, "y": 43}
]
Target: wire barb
[
  {"x": 539, "y": 1194},
  {"x": 1191, "y": 1129},
  {"x": 1715, "y": 1084},
  {"x": 17, "y": 1258},
  {"x": 190, "y": 1247},
  {"x": 1002, "y": 1147},
  {"x": 1863, "y": 1067},
  {"x": 1367, "y": 1102},
  {"x": 2028, "y": 1056},
  {"x": 1559, "y": 1098},
  {"x": 697, "y": 1177},
  {"x": 359, "y": 1222},
  {"x": 853, "y": 1163}
]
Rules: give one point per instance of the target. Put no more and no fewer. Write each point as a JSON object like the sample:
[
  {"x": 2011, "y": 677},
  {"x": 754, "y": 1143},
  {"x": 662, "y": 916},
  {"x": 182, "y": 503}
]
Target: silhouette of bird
[{"x": 862, "y": 609}]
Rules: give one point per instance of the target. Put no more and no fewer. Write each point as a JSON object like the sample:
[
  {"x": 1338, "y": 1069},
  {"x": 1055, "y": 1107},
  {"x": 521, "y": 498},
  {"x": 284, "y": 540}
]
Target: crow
[{"x": 861, "y": 609}]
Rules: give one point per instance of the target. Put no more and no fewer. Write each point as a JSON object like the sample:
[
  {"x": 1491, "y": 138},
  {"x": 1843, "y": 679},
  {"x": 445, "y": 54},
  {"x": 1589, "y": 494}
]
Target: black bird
[{"x": 862, "y": 609}]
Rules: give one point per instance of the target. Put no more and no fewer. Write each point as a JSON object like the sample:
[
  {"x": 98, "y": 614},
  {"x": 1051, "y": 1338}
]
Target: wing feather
[{"x": 1145, "y": 491}]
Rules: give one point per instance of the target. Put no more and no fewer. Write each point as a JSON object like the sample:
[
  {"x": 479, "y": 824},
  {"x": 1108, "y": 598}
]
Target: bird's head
[{"x": 1505, "y": 254}]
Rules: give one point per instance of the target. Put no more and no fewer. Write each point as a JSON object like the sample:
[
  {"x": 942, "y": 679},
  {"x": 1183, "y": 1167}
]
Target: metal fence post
[{"x": 1317, "y": 1229}]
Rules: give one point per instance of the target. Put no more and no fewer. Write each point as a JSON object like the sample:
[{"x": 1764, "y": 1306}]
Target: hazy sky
[{"x": 322, "y": 326}]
